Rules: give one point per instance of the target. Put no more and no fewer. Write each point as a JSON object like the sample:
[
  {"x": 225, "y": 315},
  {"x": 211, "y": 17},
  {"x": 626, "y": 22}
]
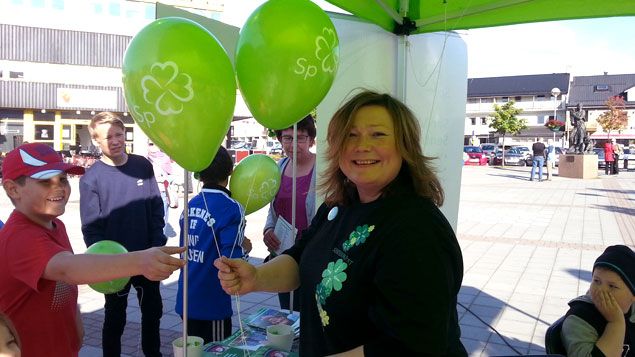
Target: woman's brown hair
[
  {"x": 4, "y": 320},
  {"x": 416, "y": 167}
]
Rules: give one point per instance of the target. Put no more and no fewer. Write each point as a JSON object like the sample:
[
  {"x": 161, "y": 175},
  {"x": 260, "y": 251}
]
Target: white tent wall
[{"x": 435, "y": 85}]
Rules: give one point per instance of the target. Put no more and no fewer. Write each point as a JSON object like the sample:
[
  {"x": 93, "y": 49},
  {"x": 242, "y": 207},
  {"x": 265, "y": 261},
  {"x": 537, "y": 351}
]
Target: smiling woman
[{"x": 378, "y": 234}]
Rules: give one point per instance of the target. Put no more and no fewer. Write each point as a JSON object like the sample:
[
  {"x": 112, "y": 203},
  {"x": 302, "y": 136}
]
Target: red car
[{"x": 477, "y": 157}]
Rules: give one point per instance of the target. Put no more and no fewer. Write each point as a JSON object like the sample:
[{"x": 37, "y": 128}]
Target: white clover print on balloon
[
  {"x": 268, "y": 188},
  {"x": 324, "y": 46},
  {"x": 167, "y": 89},
  {"x": 325, "y": 56}
]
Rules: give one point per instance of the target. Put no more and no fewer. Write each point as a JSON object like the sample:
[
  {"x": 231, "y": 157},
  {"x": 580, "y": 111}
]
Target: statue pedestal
[{"x": 578, "y": 166}]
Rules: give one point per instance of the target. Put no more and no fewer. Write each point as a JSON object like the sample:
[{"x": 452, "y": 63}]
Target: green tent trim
[{"x": 423, "y": 16}]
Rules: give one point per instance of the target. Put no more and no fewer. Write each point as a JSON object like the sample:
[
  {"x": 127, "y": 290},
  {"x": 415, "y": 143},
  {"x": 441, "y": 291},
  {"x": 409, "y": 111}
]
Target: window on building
[
  {"x": 58, "y": 4},
  {"x": 473, "y": 120},
  {"x": 17, "y": 2},
  {"x": 149, "y": 12},
  {"x": 114, "y": 9},
  {"x": 540, "y": 98},
  {"x": 37, "y": 3},
  {"x": 483, "y": 121},
  {"x": 18, "y": 75},
  {"x": 473, "y": 100},
  {"x": 601, "y": 88},
  {"x": 98, "y": 8},
  {"x": 540, "y": 119},
  {"x": 518, "y": 98},
  {"x": 44, "y": 132},
  {"x": 487, "y": 100},
  {"x": 46, "y": 116},
  {"x": 504, "y": 99}
]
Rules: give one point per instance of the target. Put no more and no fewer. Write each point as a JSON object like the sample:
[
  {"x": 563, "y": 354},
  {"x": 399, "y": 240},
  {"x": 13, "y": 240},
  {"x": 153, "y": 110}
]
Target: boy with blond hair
[
  {"x": 38, "y": 270},
  {"x": 119, "y": 200}
]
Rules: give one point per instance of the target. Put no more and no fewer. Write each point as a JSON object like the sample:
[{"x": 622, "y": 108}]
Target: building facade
[
  {"x": 531, "y": 93},
  {"x": 60, "y": 63},
  {"x": 592, "y": 92}
]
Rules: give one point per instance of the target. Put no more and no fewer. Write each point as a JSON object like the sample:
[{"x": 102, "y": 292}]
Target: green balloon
[
  {"x": 108, "y": 247},
  {"x": 286, "y": 59},
  {"x": 180, "y": 88},
  {"x": 255, "y": 182}
]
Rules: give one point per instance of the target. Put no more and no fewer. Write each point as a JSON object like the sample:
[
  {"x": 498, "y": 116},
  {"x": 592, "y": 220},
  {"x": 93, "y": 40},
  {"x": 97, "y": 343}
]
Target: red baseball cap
[{"x": 36, "y": 160}]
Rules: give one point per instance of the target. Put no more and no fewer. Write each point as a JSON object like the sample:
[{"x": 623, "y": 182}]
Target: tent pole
[
  {"x": 390, "y": 11},
  {"x": 402, "y": 66},
  {"x": 186, "y": 226}
]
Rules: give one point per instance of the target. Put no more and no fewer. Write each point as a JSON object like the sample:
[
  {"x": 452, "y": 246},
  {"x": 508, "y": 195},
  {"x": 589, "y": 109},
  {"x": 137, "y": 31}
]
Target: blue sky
[{"x": 580, "y": 47}]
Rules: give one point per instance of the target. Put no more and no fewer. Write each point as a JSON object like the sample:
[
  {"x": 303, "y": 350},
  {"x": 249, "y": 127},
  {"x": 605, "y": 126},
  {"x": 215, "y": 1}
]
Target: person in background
[
  {"x": 538, "y": 160},
  {"x": 120, "y": 201},
  {"x": 617, "y": 153},
  {"x": 280, "y": 208},
  {"x": 38, "y": 270},
  {"x": 9, "y": 339},
  {"x": 602, "y": 322},
  {"x": 609, "y": 158},
  {"x": 551, "y": 159},
  {"x": 378, "y": 236},
  {"x": 216, "y": 226},
  {"x": 162, "y": 167}
]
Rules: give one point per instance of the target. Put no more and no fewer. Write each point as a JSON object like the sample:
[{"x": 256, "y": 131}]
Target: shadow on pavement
[
  {"x": 584, "y": 275},
  {"x": 486, "y": 310},
  {"x": 624, "y": 210}
]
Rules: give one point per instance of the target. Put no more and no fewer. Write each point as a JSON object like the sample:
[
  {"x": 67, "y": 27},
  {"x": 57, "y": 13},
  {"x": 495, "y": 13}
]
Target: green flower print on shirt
[
  {"x": 324, "y": 316},
  {"x": 333, "y": 276},
  {"x": 357, "y": 237}
]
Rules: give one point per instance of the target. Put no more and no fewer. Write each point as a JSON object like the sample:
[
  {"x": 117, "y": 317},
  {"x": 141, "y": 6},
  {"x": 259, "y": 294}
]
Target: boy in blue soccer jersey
[{"x": 216, "y": 223}]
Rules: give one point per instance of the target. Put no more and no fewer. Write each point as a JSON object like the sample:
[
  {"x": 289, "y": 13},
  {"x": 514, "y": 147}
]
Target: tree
[
  {"x": 615, "y": 118},
  {"x": 505, "y": 121}
]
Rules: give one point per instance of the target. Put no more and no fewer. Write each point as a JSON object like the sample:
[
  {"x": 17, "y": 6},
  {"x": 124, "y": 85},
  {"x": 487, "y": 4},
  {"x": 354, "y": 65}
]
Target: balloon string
[{"x": 240, "y": 322}]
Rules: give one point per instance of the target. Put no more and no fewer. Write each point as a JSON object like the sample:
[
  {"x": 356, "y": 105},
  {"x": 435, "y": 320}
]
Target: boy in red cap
[
  {"x": 38, "y": 270},
  {"x": 602, "y": 322}
]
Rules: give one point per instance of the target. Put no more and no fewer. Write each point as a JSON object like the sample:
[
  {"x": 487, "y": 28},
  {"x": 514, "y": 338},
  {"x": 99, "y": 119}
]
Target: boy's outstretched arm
[{"x": 154, "y": 263}]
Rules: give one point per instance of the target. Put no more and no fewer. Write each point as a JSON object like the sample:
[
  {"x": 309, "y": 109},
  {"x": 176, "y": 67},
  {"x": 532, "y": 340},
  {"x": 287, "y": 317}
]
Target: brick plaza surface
[{"x": 528, "y": 248}]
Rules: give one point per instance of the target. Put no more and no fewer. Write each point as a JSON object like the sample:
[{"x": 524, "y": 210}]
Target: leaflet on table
[
  {"x": 267, "y": 316},
  {"x": 250, "y": 339},
  {"x": 221, "y": 350},
  {"x": 286, "y": 234}
]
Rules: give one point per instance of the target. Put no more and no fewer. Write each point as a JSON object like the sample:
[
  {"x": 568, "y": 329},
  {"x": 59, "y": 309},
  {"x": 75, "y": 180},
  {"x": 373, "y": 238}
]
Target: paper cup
[
  {"x": 194, "y": 346},
  {"x": 280, "y": 336}
]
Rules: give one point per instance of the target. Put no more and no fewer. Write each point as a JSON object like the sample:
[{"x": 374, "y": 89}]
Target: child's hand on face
[{"x": 607, "y": 305}]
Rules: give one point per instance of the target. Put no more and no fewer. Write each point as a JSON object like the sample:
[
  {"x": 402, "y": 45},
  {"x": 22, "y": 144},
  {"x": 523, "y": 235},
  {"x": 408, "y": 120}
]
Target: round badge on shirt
[{"x": 332, "y": 214}]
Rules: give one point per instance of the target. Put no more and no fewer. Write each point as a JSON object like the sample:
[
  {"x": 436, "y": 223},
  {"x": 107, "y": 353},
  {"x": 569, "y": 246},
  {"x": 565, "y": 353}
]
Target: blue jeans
[{"x": 539, "y": 161}]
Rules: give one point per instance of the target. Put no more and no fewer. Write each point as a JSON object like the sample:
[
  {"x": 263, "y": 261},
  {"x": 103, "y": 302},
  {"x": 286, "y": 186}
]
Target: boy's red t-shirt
[{"x": 43, "y": 311}]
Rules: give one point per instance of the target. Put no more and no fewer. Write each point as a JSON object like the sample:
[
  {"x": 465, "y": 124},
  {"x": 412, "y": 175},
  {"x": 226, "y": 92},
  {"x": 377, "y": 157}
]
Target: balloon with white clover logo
[
  {"x": 286, "y": 60},
  {"x": 180, "y": 88},
  {"x": 255, "y": 182}
]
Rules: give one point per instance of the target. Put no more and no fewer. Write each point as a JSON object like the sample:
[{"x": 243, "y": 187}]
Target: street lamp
[{"x": 555, "y": 92}]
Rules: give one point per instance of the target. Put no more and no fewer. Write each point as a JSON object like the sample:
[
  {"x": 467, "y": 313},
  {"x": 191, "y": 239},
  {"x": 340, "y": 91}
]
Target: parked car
[
  {"x": 600, "y": 153},
  {"x": 476, "y": 156},
  {"x": 488, "y": 151},
  {"x": 276, "y": 149},
  {"x": 559, "y": 152},
  {"x": 512, "y": 157},
  {"x": 525, "y": 151},
  {"x": 629, "y": 155}
]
